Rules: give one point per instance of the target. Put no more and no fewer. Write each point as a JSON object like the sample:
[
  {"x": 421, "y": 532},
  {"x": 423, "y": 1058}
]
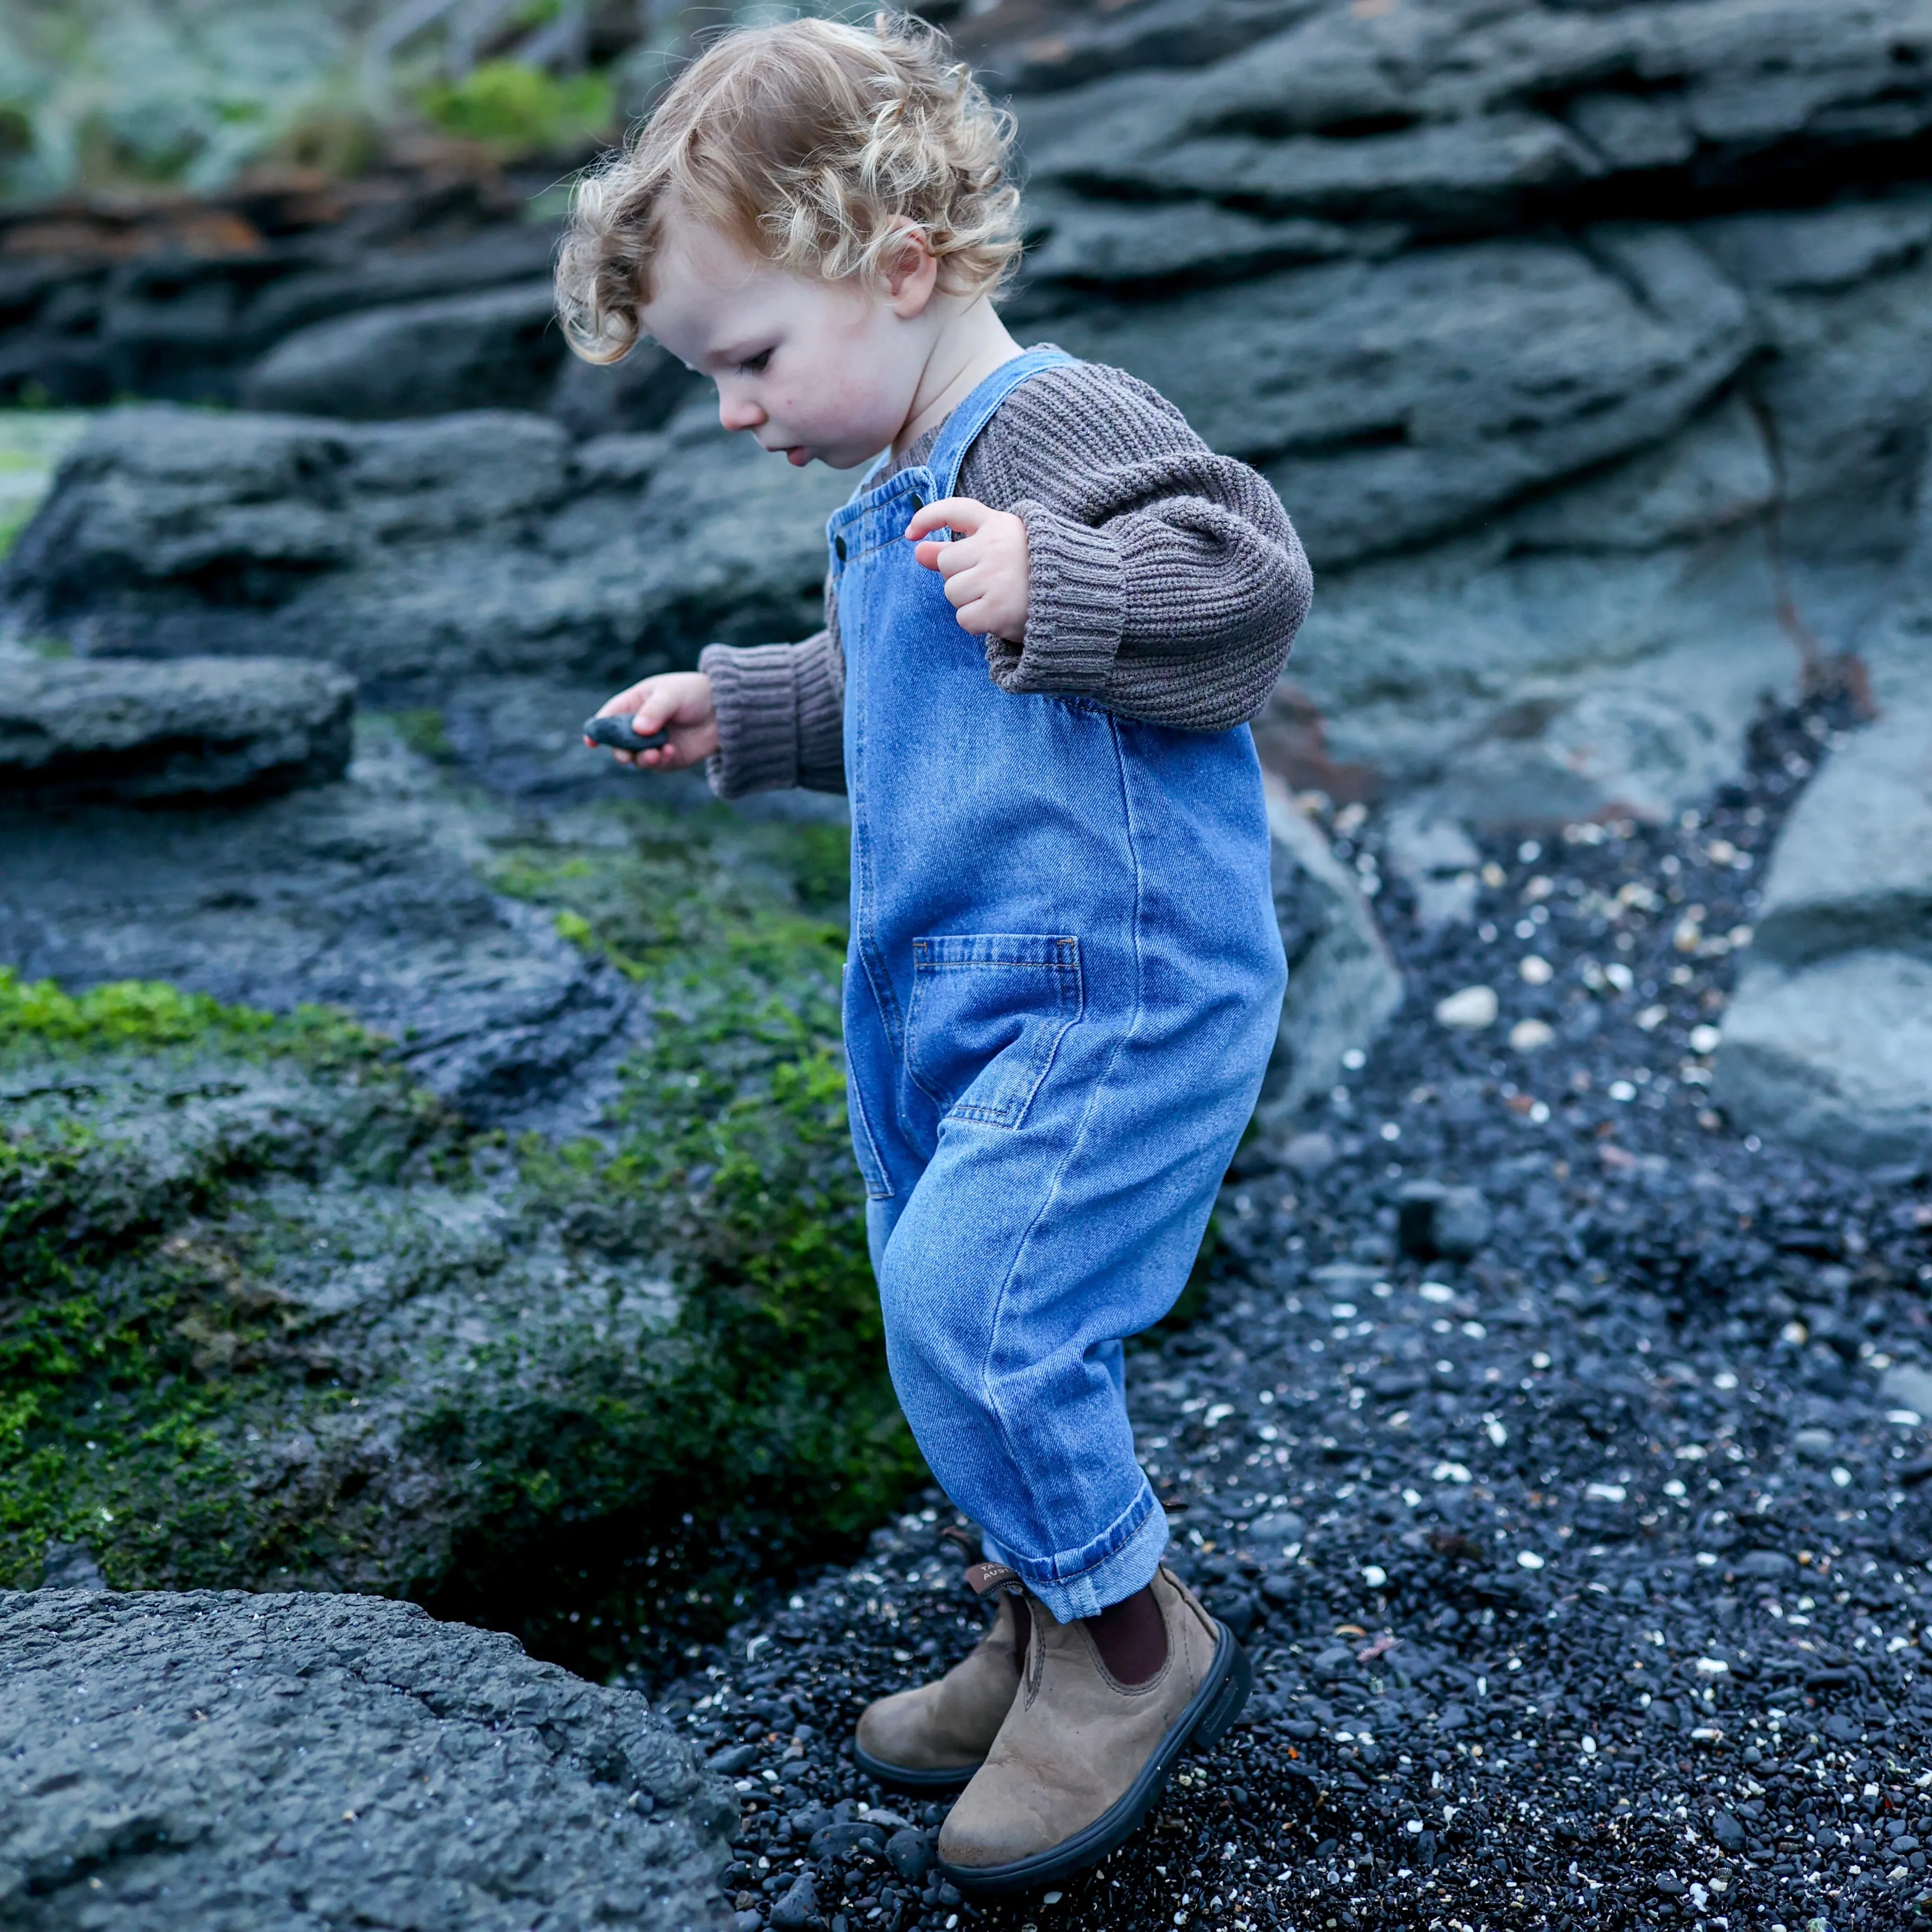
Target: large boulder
[
  {"x": 364, "y": 894},
  {"x": 123, "y": 729},
  {"x": 422, "y": 554},
  {"x": 497, "y": 349},
  {"x": 1373, "y": 395},
  {"x": 292, "y": 1763},
  {"x": 1829, "y": 1040}
]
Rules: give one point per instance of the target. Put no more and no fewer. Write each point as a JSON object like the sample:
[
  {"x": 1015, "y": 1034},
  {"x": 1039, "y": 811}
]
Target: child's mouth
[{"x": 798, "y": 457}]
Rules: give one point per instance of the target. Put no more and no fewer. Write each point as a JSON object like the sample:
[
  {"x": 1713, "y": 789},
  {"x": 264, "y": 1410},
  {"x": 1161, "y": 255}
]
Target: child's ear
[{"x": 911, "y": 273}]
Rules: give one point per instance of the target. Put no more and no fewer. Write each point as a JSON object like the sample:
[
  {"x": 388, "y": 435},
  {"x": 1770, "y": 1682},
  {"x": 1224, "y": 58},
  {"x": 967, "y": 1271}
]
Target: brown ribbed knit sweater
[{"x": 1166, "y": 583}]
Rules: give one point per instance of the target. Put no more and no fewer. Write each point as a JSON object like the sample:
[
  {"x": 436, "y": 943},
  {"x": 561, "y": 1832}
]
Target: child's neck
[{"x": 971, "y": 344}]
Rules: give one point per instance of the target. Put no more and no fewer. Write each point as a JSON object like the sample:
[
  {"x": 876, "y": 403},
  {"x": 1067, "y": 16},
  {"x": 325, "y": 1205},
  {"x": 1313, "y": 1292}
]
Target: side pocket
[
  {"x": 987, "y": 1015},
  {"x": 865, "y": 1147}
]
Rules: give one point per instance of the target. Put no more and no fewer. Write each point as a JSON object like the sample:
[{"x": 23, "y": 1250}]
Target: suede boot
[
  {"x": 1082, "y": 1758},
  {"x": 936, "y": 1736}
]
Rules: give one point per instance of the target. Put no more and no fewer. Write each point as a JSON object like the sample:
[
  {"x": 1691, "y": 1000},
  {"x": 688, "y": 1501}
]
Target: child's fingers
[{"x": 962, "y": 514}]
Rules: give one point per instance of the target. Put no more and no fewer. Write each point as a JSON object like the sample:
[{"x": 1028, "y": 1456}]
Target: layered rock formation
[
  {"x": 1588, "y": 346},
  {"x": 193, "y": 730},
  {"x": 288, "y": 1762}
]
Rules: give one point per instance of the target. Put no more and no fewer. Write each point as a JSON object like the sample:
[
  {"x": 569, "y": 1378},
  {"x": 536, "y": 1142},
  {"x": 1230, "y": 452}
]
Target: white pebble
[
  {"x": 1374, "y": 1575},
  {"x": 1529, "y": 1559},
  {"x": 1706, "y": 1039},
  {"x": 1473, "y": 1007},
  {"x": 1531, "y": 1036},
  {"x": 1536, "y": 970}
]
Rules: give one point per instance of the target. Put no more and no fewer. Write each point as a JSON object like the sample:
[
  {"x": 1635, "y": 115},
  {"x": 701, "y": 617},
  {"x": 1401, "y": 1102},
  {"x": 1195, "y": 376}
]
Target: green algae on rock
[{"x": 275, "y": 1316}]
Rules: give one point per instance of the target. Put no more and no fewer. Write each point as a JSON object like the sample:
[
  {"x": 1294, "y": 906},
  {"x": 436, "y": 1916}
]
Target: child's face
[{"x": 812, "y": 369}]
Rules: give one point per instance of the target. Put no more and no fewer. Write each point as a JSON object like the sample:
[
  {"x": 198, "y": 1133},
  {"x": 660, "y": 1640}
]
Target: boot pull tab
[{"x": 983, "y": 1578}]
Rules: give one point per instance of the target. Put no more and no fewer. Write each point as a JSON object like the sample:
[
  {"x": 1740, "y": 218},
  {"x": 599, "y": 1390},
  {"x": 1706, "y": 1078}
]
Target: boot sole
[
  {"x": 1215, "y": 1706},
  {"x": 907, "y": 1779}
]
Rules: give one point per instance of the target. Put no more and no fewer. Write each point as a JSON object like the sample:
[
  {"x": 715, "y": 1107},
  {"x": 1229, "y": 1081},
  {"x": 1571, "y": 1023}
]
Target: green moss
[
  {"x": 138, "y": 1013},
  {"x": 516, "y": 110},
  {"x": 424, "y": 731},
  {"x": 161, "y": 1257}
]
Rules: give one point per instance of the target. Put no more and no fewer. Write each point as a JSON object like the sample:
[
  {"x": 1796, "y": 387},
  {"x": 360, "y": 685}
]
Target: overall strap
[{"x": 963, "y": 425}]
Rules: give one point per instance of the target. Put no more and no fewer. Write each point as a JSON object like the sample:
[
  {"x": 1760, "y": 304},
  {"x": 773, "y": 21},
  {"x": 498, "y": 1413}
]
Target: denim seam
[{"x": 1127, "y": 1032}]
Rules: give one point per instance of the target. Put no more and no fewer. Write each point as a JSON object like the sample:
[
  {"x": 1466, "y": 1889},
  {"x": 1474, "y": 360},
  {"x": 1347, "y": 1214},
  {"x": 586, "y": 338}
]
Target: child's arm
[
  {"x": 762, "y": 717},
  {"x": 1162, "y": 581}
]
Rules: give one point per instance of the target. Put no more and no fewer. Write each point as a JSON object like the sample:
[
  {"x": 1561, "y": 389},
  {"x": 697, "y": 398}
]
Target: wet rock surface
[
  {"x": 187, "y": 731},
  {"x": 422, "y": 557},
  {"x": 363, "y": 894},
  {"x": 213, "y": 1758},
  {"x": 1586, "y": 1573}
]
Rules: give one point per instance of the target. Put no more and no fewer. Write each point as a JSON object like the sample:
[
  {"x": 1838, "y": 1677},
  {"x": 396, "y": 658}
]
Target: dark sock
[
  {"x": 1131, "y": 1637},
  {"x": 1022, "y": 1629}
]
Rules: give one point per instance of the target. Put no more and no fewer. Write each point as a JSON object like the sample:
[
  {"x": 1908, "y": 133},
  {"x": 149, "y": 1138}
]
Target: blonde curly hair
[{"x": 813, "y": 144}]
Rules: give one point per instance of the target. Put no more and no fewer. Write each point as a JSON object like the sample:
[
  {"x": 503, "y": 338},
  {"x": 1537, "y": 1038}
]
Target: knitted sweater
[{"x": 1166, "y": 583}]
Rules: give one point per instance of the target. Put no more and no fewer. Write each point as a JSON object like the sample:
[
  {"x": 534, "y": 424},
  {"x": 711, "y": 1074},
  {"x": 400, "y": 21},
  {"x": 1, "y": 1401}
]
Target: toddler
[{"x": 1050, "y": 611}]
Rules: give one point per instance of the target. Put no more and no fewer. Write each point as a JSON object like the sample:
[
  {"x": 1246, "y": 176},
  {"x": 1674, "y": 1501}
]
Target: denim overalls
[{"x": 1063, "y": 984}]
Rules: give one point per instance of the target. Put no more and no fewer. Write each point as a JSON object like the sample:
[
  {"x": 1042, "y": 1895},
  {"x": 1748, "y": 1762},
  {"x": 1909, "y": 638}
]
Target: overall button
[{"x": 839, "y": 544}]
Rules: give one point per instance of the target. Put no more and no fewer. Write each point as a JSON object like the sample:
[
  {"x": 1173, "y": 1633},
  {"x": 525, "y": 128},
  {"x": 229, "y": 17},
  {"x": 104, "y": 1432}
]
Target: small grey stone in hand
[{"x": 617, "y": 734}]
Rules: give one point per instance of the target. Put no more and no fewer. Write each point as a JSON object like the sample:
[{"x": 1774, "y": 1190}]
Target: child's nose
[{"x": 737, "y": 412}]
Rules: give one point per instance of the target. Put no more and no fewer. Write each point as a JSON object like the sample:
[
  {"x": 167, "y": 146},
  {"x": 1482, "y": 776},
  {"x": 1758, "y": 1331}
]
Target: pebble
[{"x": 1474, "y": 1007}]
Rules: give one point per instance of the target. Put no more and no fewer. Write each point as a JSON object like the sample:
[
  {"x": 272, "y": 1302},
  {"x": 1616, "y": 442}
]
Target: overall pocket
[{"x": 988, "y": 1013}]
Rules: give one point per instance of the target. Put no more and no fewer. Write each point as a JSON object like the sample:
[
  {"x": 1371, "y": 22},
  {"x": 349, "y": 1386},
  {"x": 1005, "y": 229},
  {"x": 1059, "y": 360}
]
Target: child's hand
[
  {"x": 679, "y": 701},
  {"x": 986, "y": 566}
]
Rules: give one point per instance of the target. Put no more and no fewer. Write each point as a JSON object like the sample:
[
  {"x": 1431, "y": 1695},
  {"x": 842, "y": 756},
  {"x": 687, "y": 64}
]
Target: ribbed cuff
[
  {"x": 755, "y": 690},
  {"x": 1076, "y": 606},
  {"x": 818, "y": 665}
]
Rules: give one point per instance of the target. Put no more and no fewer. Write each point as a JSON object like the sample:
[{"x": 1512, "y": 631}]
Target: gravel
[{"x": 1584, "y": 1565}]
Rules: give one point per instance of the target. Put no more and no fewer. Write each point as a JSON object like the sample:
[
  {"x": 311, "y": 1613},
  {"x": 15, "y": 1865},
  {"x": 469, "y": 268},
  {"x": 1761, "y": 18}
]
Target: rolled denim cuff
[{"x": 1083, "y": 1583}]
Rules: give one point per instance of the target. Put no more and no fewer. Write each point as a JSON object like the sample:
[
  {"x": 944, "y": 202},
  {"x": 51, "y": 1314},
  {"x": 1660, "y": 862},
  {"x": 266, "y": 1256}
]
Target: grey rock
[
  {"x": 911, "y": 1854},
  {"x": 1836, "y": 1056},
  {"x": 1276, "y": 1529},
  {"x": 189, "y": 731},
  {"x": 1343, "y": 985},
  {"x": 433, "y": 552},
  {"x": 1907, "y": 1385},
  {"x": 1815, "y": 1445},
  {"x": 498, "y": 348},
  {"x": 70, "y": 1566},
  {"x": 797, "y": 1909},
  {"x": 1438, "y": 860},
  {"x": 1828, "y": 1040},
  {"x": 364, "y": 894},
  {"x": 1309, "y": 1153},
  {"x": 389, "y": 277},
  {"x": 1433, "y": 1220},
  {"x": 1766, "y": 1563},
  {"x": 1465, "y": 111},
  {"x": 1853, "y": 867},
  {"x": 642, "y": 392},
  {"x": 1372, "y": 396},
  {"x": 298, "y": 1762}
]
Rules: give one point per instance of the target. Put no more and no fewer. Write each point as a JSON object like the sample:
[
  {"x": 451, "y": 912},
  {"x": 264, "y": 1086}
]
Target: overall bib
[{"x": 1063, "y": 987}]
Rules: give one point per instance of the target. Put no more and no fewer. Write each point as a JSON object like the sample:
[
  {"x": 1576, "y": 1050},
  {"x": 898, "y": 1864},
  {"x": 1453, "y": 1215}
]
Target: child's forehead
[{"x": 708, "y": 290}]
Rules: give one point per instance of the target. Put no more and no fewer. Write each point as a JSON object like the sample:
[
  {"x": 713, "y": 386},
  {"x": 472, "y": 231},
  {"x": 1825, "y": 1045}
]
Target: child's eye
[{"x": 756, "y": 365}]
